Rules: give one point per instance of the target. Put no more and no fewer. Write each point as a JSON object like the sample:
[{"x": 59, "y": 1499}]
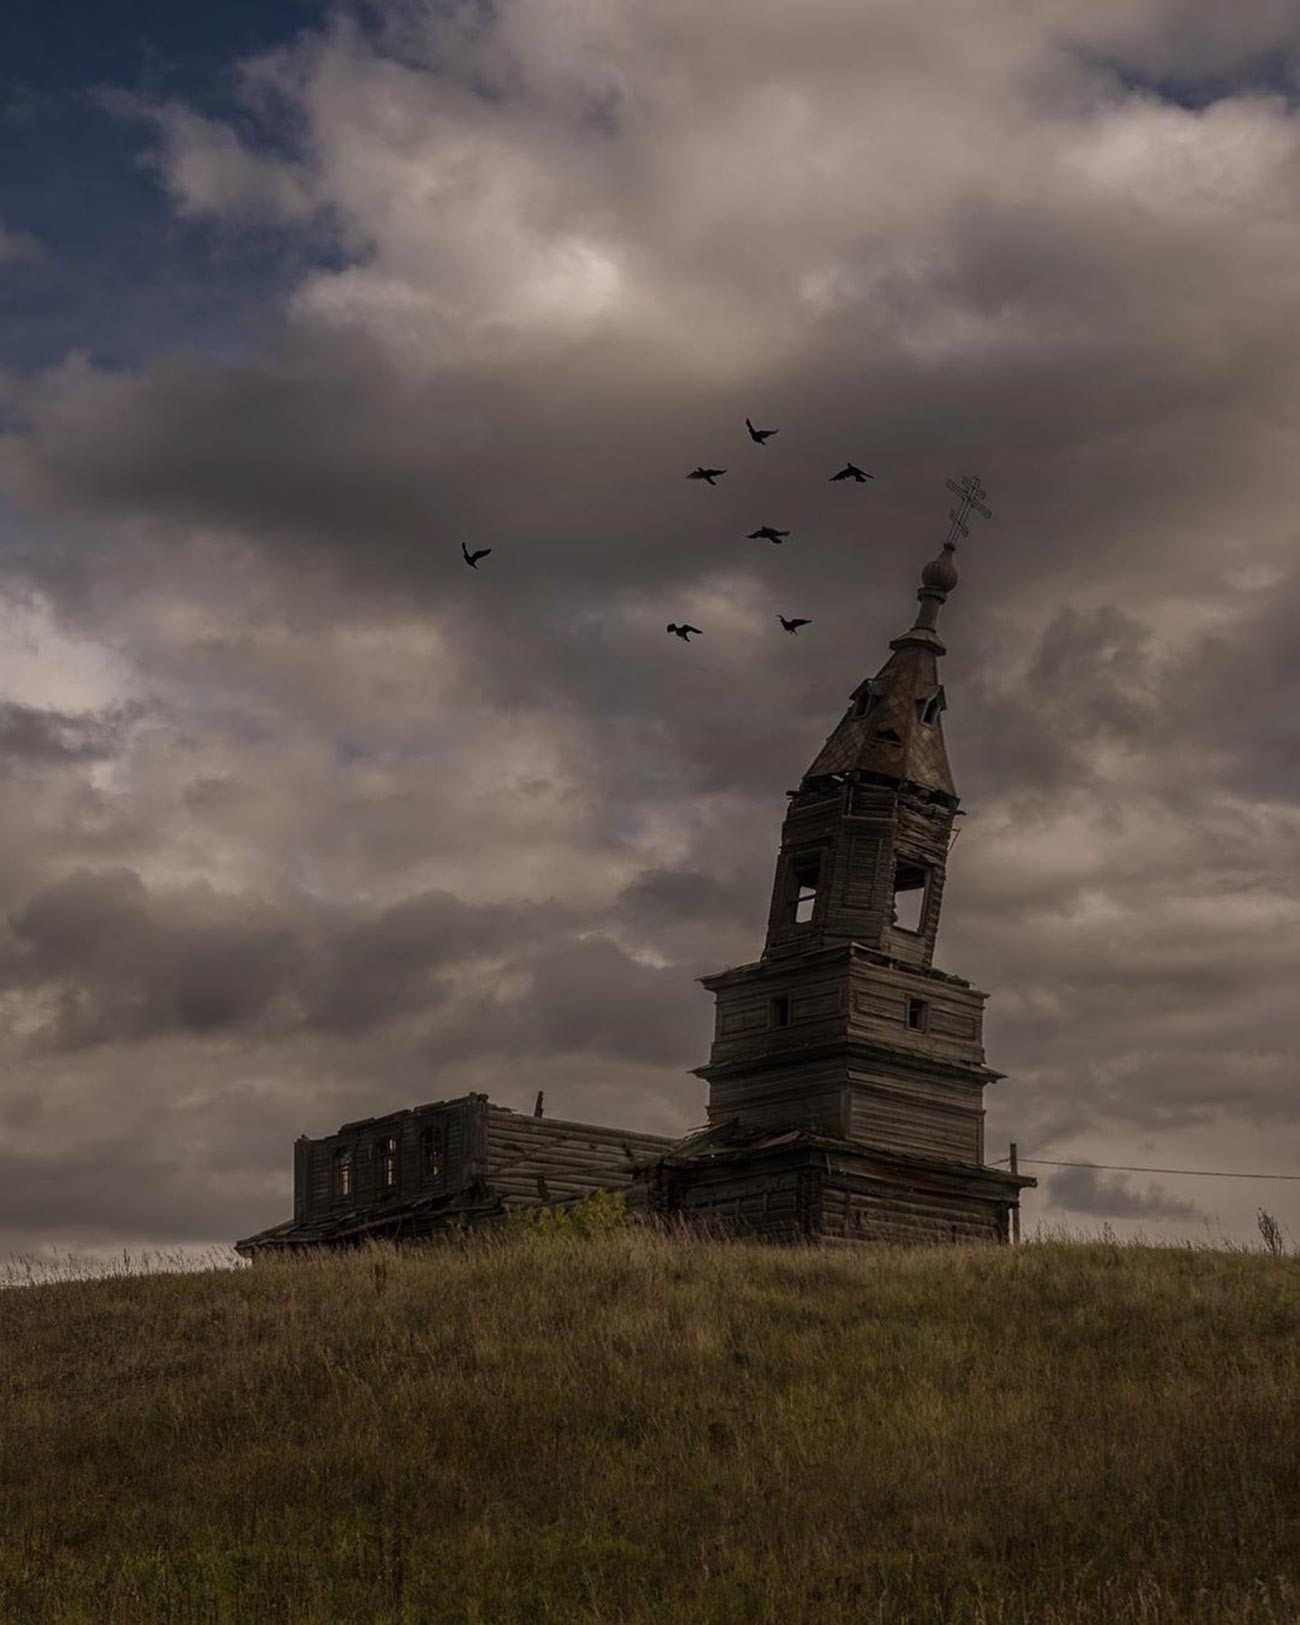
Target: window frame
[
  {"x": 433, "y": 1151},
  {"x": 387, "y": 1154},
  {"x": 799, "y": 890},
  {"x": 925, "y": 869}
]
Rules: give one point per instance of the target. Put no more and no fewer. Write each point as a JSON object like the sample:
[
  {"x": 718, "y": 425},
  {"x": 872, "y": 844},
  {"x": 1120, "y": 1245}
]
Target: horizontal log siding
[
  {"x": 902, "y": 1120},
  {"x": 876, "y": 1008},
  {"x": 573, "y": 1159},
  {"x": 803, "y": 1094},
  {"x": 899, "y": 1215},
  {"x": 859, "y": 886},
  {"x": 772, "y": 1208}
]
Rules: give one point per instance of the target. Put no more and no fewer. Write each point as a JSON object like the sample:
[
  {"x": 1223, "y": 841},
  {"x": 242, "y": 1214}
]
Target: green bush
[{"x": 601, "y": 1211}]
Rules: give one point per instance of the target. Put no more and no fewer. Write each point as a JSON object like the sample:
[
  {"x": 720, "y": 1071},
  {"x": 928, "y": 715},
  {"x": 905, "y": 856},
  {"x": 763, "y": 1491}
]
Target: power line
[{"x": 1123, "y": 1168}]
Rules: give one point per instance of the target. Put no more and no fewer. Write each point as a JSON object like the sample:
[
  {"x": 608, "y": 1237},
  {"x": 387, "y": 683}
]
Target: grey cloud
[
  {"x": 387, "y": 966},
  {"x": 1079, "y": 1190},
  {"x": 32, "y": 733},
  {"x": 671, "y": 896}
]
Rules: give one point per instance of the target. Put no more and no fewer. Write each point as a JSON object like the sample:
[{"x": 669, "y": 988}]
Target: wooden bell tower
[{"x": 844, "y": 1037}]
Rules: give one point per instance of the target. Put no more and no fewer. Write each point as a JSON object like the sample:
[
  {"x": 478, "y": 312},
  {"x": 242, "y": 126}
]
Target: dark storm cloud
[
  {"x": 380, "y": 968},
  {"x": 397, "y": 821},
  {"x": 590, "y": 997},
  {"x": 671, "y": 896},
  {"x": 144, "y": 1195},
  {"x": 1079, "y": 1190},
  {"x": 30, "y": 733},
  {"x": 123, "y": 963}
]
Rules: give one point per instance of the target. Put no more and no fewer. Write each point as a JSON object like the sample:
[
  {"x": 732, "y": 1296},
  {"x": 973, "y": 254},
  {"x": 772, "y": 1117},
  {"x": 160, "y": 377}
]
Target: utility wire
[{"x": 1122, "y": 1168}]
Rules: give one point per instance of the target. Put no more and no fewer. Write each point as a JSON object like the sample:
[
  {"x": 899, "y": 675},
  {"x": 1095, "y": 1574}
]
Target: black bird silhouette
[
  {"x": 684, "y": 632},
  {"x": 793, "y": 624},
  {"x": 472, "y": 558},
  {"x": 767, "y": 534},
  {"x": 851, "y": 471},
  {"x": 759, "y": 435},
  {"x": 709, "y": 474}
]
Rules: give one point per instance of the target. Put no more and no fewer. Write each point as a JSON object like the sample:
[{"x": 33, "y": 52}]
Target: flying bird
[
  {"x": 851, "y": 471},
  {"x": 793, "y": 624},
  {"x": 684, "y": 632},
  {"x": 758, "y": 436},
  {"x": 710, "y": 474},
  {"x": 768, "y": 534},
  {"x": 472, "y": 558}
]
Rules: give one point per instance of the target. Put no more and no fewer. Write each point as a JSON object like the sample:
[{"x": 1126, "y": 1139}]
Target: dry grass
[{"x": 526, "y": 1430}]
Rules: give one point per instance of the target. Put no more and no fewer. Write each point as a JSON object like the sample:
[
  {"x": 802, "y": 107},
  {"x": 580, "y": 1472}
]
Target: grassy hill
[{"x": 627, "y": 1428}]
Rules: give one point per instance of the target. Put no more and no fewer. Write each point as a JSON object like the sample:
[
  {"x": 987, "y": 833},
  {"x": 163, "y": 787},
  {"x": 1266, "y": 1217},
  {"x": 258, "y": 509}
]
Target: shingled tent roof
[{"x": 891, "y": 739}]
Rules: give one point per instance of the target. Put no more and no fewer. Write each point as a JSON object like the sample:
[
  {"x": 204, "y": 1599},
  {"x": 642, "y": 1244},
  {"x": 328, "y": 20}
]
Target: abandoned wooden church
[{"x": 846, "y": 1081}]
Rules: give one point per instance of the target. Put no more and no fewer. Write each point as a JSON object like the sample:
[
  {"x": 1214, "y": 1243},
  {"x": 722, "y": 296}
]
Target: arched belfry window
[
  {"x": 805, "y": 877},
  {"x": 911, "y": 892},
  {"x": 343, "y": 1171},
  {"x": 386, "y": 1157}
]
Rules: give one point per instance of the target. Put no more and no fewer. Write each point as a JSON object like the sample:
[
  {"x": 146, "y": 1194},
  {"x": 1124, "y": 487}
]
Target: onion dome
[{"x": 941, "y": 573}]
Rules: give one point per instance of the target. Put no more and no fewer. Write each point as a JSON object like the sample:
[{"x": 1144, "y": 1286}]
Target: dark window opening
[
  {"x": 806, "y": 876},
  {"x": 780, "y": 1010},
  {"x": 865, "y": 704},
  {"x": 887, "y": 736},
  {"x": 386, "y": 1154},
  {"x": 911, "y": 888},
  {"x": 343, "y": 1173},
  {"x": 431, "y": 1153},
  {"x": 928, "y": 710},
  {"x": 918, "y": 1015}
]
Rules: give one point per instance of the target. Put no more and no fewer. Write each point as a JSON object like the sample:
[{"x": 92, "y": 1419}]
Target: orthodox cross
[{"x": 969, "y": 495}]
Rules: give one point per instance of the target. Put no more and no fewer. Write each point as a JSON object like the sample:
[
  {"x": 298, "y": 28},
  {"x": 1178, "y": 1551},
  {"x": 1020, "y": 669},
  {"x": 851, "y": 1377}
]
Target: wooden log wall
[
  {"x": 770, "y": 1206},
  {"x": 844, "y": 991},
  {"x": 456, "y": 1120},
  {"x": 860, "y": 833},
  {"x": 915, "y": 1119},
  {"x": 540, "y": 1160},
  {"x": 889, "y": 1213}
]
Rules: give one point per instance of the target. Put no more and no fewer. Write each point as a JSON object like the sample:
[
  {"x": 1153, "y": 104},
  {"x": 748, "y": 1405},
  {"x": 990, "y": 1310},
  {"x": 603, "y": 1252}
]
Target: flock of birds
[{"x": 765, "y": 533}]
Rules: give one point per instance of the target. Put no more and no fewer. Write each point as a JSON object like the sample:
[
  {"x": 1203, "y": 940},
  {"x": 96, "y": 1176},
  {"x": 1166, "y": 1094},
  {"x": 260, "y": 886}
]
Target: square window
[{"x": 918, "y": 1015}]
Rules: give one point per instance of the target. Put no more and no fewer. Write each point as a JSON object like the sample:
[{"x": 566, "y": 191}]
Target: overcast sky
[{"x": 302, "y": 821}]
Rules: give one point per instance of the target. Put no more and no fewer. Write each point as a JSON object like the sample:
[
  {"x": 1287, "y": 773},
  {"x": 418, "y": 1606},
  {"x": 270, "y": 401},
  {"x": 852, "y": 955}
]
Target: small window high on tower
[
  {"x": 928, "y": 710},
  {"x": 805, "y": 877},
  {"x": 911, "y": 887}
]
